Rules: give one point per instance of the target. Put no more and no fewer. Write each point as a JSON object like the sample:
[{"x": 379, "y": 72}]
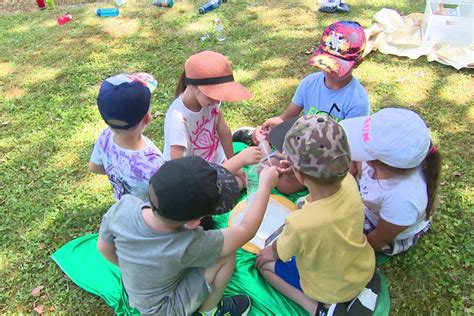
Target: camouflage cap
[{"x": 317, "y": 146}]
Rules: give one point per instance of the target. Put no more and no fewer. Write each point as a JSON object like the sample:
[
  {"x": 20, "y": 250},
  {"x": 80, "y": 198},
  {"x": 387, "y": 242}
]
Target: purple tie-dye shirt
[{"x": 128, "y": 170}]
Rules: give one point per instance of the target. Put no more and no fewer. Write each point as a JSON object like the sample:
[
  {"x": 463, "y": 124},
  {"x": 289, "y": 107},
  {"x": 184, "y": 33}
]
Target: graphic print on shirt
[
  {"x": 120, "y": 186},
  {"x": 313, "y": 110},
  {"x": 204, "y": 137}
]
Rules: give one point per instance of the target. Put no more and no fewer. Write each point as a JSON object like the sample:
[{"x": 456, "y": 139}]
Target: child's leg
[
  {"x": 218, "y": 276},
  {"x": 294, "y": 294}
]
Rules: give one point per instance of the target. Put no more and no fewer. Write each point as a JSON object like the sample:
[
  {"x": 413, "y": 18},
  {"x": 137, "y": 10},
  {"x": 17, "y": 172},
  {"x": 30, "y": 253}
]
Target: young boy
[
  {"x": 322, "y": 256},
  {"x": 169, "y": 265},
  {"x": 333, "y": 91},
  {"x": 122, "y": 152}
]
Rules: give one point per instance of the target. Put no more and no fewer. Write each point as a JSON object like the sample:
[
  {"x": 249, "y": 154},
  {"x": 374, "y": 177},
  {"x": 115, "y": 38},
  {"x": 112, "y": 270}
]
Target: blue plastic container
[
  {"x": 211, "y": 5},
  {"x": 104, "y": 12}
]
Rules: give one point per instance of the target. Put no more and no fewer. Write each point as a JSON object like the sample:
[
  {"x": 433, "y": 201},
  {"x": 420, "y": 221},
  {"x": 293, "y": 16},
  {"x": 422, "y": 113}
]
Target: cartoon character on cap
[
  {"x": 399, "y": 174},
  {"x": 122, "y": 152},
  {"x": 334, "y": 91}
]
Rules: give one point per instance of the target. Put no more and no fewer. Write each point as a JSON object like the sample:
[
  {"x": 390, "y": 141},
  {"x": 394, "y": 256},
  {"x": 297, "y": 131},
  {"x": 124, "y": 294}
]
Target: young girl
[
  {"x": 399, "y": 176},
  {"x": 194, "y": 124}
]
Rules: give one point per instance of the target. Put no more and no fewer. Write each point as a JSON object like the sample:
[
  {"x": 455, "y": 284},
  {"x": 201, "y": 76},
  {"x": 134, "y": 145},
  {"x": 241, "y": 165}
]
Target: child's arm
[
  {"x": 176, "y": 152},
  {"x": 384, "y": 233},
  {"x": 225, "y": 136},
  {"x": 248, "y": 156},
  {"x": 96, "y": 168},
  {"x": 108, "y": 251},
  {"x": 267, "y": 254},
  {"x": 291, "y": 111},
  {"x": 236, "y": 236}
]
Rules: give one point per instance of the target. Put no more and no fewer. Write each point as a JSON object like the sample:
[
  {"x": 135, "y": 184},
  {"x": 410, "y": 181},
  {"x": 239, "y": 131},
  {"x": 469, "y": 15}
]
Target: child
[
  {"x": 169, "y": 265},
  {"x": 321, "y": 256},
  {"x": 333, "y": 91},
  {"x": 128, "y": 158},
  {"x": 194, "y": 124},
  {"x": 399, "y": 176}
]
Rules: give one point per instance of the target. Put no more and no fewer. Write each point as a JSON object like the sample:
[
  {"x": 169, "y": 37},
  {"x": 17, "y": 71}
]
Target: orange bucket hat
[{"x": 211, "y": 72}]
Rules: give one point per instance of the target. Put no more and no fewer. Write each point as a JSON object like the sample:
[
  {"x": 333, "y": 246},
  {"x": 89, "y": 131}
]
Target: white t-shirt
[
  {"x": 401, "y": 200},
  {"x": 129, "y": 171},
  {"x": 195, "y": 131}
]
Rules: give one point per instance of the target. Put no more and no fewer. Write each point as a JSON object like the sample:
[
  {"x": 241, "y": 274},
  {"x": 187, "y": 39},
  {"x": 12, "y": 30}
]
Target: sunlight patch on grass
[
  {"x": 6, "y": 68},
  {"x": 270, "y": 89},
  {"x": 275, "y": 63},
  {"x": 38, "y": 74},
  {"x": 457, "y": 89},
  {"x": 13, "y": 93},
  {"x": 20, "y": 28},
  {"x": 119, "y": 28},
  {"x": 270, "y": 17},
  {"x": 244, "y": 75}
]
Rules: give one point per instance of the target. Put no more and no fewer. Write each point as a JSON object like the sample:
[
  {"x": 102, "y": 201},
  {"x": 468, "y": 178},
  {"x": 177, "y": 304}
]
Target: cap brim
[
  {"x": 278, "y": 133},
  {"x": 229, "y": 91},
  {"x": 330, "y": 63},
  {"x": 354, "y": 131},
  {"x": 229, "y": 192}
]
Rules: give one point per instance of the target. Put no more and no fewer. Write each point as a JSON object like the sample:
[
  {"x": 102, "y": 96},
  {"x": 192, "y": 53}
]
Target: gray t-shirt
[{"x": 162, "y": 272}]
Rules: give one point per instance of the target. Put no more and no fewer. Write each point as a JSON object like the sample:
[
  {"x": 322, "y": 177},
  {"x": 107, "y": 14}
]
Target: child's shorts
[
  {"x": 400, "y": 245},
  {"x": 288, "y": 271}
]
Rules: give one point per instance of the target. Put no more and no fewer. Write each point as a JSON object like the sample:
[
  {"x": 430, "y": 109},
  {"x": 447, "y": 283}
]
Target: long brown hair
[
  {"x": 431, "y": 167},
  {"x": 181, "y": 86},
  {"x": 432, "y": 171}
]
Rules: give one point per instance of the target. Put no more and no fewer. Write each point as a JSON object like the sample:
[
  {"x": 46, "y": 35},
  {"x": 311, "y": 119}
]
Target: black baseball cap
[
  {"x": 189, "y": 188},
  {"x": 124, "y": 99}
]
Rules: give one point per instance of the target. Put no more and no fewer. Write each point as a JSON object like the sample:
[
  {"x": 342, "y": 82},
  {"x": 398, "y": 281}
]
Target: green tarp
[{"x": 86, "y": 267}]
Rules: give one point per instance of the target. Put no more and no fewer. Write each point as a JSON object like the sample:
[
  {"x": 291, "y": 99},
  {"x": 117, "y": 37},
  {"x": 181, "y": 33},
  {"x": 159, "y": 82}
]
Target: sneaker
[
  {"x": 244, "y": 135},
  {"x": 235, "y": 305}
]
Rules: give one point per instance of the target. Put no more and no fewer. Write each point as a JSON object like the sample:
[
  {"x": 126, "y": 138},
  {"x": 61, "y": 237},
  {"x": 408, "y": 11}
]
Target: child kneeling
[
  {"x": 169, "y": 264},
  {"x": 322, "y": 256}
]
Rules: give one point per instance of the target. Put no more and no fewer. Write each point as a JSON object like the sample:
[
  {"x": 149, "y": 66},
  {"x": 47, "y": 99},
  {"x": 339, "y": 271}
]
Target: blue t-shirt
[{"x": 314, "y": 97}]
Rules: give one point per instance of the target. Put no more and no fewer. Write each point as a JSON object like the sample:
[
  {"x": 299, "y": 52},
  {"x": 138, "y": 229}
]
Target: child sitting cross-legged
[
  {"x": 398, "y": 177},
  {"x": 322, "y": 256},
  {"x": 169, "y": 264}
]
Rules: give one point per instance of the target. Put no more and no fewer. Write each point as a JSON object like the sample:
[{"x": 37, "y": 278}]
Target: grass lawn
[{"x": 49, "y": 78}]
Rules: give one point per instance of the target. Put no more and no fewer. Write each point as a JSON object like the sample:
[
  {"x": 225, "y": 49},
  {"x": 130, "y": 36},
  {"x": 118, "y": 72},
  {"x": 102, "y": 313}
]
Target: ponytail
[
  {"x": 432, "y": 170},
  {"x": 181, "y": 86}
]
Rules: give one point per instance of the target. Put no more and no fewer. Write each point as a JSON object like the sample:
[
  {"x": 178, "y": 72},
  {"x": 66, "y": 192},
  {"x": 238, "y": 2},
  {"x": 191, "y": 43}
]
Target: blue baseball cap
[{"x": 124, "y": 99}]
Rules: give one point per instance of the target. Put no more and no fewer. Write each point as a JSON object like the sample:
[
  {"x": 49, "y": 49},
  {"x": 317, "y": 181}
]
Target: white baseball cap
[{"x": 397, "y": 137}]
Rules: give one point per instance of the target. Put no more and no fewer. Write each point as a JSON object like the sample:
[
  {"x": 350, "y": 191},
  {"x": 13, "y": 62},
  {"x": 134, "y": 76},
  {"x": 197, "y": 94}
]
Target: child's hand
[
  {"x": 284, "y": 167},
  {"x": 271, "y": 123},
  {"x": 269, "y": 177},
  {"x": 251, "y": 155},
  {"x": 265, "y": 255}
]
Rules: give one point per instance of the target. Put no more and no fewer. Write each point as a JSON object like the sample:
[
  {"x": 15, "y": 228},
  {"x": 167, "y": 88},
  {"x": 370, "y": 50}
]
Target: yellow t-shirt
[{"x": 333, "y": 257}]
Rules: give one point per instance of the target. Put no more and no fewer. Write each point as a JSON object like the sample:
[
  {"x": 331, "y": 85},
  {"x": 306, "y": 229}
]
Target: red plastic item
[
  {"x": 41, "y": 4},
  {"x": 63, "y": 19}
]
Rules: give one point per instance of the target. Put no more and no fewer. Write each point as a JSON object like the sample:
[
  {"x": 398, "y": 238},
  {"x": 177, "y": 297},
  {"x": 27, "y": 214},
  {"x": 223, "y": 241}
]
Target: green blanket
[{"x": 86, "y": 267}]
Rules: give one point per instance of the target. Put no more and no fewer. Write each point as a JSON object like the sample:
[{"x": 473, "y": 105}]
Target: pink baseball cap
[
  {"x": 395, "y": 136},
  {"x": 341, "y": 45}
]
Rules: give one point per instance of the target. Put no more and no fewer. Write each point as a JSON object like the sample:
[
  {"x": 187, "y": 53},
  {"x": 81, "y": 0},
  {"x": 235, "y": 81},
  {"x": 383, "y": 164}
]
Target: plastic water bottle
[
  {"x": 104, "y": 12},
  {"x": 211, "y": 5},
  {"x": 219, "y": 30},
  {"x": 163, "y": 3},
  {"x": 63, "y": 19},
  {"x": 50, "y": 4},
  {"x": 41, "y": 4},
  {"x": 119, "y": 2},
  {"x": 252, "y": 183}
]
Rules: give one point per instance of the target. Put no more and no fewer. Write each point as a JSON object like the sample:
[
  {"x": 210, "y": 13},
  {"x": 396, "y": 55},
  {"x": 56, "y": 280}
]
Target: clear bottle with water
[
  {"x": 252, "y": 182},
  {"x": 220, "y": 36}
]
